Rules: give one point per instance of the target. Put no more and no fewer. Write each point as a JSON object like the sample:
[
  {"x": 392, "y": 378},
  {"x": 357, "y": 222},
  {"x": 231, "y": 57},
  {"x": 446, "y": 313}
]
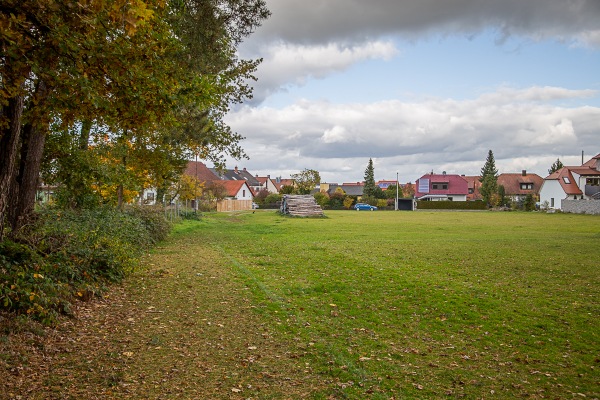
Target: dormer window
[{"x": 526, "y": 186}]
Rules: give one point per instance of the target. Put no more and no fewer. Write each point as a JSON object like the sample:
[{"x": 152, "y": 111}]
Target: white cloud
[
  {"x": 439, "y": 134},
  {"x": 286, "y": 63}
]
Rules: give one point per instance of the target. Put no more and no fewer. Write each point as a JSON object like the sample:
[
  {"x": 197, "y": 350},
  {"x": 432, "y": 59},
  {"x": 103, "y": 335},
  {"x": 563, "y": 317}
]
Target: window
[
  {"x": 567, "y": 180},
  {"x": 439, "y": 186},
  {"x": 551, "y": 201},
  {"x": 526, "y": 186},
  {"x": 592, "y": 181},
  {"x": 471, "y": 191},
  {"x": 150, "y": 196},
  {"x": 244, "y": 193}
]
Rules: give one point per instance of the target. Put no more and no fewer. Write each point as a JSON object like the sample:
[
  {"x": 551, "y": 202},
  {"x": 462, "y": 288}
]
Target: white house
[{"x": 572, "y": 183}]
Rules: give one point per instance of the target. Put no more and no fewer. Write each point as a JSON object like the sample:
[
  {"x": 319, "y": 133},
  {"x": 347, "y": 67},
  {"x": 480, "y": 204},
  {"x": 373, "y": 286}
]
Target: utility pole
[{"x": 396, "y": 208}]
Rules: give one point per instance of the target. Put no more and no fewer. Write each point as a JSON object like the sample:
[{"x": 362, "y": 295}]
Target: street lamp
[{"x": 396, "y": 208}]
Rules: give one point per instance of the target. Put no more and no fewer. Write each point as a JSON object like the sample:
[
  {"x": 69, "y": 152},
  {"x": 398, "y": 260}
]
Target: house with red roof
[
  {"x": 236, "y": 190},
  {"x": 518, "y": 186},
  {"x": 437, "y": 187},
  {"x": 572, "y": 183},
  {"x": 473, "y": 184},
  {"x": 267, "y": 183}
]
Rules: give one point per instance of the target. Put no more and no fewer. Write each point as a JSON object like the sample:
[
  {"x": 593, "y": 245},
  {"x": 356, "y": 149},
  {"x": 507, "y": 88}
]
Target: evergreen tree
[
  {"x": 489, "y": 179},
  {"x": 370, "y": 188},
  {"x": 556, "y": 166}
]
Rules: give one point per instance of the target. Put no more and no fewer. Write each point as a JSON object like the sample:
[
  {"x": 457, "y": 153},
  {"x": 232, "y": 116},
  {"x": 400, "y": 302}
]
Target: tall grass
[{"x": 427, "y": 304}]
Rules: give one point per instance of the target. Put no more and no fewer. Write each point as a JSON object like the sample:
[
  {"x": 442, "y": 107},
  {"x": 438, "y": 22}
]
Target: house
[
  {"x": 280, "y": 183},
  {"x": 236, "y": 190},
  {"x": 267, "y": 183},
  {"x": 437, "y": 187},
  {"x": 572, "y": 183},
  {"x": 383, "y": 184},
  {"x": 518, "y": 186},
  {"x": 238, "y": 174},
  {"x": 473, "y": 184}
]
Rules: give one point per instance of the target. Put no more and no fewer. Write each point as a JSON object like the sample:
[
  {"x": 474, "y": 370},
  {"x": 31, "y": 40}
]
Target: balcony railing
[{"x": 592, "y": 191}]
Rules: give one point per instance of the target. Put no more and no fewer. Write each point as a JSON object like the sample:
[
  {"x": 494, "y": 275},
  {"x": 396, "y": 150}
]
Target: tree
[
  {"x": 489, "y": 179},
  {"x": 370, "y": 188},
  {"x": 555, "y": 166},
  {"x": 390, "y": 192},
  {"x": 502, "y": 199},
  {"x": 321, "y": 198},
  {"x": 306, "y": 180},
  {"x": 155, "y": 77}
]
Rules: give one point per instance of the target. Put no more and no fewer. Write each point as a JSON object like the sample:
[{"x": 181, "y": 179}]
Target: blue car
[{"x": 364, "y": 206}]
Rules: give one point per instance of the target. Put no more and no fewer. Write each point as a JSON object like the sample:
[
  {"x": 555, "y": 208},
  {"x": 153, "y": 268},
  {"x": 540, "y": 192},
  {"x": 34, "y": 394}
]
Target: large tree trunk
[
  {"x": 24, "y": 187},
  {"x": 22, "y": 201},
  {"x": 9, "y": 144}
]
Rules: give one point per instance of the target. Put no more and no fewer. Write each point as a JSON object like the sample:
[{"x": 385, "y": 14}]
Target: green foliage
[
  {"x": 555, "y": 166},
  {"x": 306, "y": 180},
  {"x": 273, "y": 198},
  {"x": 529, "y": 203},
  {"x": 489, "y": 179},
  {"x": 322, "y": 199},
  {"x": 67, "y": 254},
  {"x": 370, "y": 188},
  {"x": 451, "y": 205}
]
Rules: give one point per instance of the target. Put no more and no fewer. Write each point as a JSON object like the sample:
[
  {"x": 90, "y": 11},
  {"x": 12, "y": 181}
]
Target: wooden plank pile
[{"x": 300, "y": 206}]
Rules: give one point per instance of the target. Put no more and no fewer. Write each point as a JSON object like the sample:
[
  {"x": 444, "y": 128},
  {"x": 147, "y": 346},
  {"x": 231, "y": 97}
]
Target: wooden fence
[{"x": 234, "y": 205}]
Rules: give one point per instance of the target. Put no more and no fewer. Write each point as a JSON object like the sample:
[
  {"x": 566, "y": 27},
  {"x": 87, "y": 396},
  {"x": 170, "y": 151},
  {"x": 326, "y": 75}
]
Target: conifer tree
[
  {"x": 489, "y": 179},
  {"x": 370, "y": 188},
  {"x": 556, "y": 166}
]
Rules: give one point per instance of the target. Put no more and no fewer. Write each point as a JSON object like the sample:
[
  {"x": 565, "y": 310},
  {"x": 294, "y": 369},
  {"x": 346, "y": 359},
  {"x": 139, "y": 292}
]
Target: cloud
[
  {"x": 324, "y": 21},
  {"x": 286, "y": 63},
  {"x": 435, "y": 133}
]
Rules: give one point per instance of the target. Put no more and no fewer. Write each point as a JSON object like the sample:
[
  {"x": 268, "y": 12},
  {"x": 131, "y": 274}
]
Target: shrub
[
  {"x": 72, "y": 254},
  {"x": 451, "y": 205}
]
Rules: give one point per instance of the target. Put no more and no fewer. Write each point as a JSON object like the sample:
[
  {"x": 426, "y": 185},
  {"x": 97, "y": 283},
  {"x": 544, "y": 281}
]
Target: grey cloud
[
  {"x": 321, "y": 21},
  {"x": 444, "y": 133}
]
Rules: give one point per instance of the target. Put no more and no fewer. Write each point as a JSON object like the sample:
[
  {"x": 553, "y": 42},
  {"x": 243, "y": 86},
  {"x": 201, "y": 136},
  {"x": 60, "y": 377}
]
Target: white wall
[
  {"x": 244, "y": 193},
  {"x": 551, "y": 189}
]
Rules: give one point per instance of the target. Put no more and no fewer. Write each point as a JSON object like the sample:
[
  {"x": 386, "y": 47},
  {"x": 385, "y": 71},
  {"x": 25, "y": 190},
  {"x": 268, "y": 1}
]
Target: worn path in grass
[{"x": 181, "y": 328}]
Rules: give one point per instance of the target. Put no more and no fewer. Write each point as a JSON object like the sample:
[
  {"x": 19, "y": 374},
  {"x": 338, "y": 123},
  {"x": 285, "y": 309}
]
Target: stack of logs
[{"x": 300, "y": 206}]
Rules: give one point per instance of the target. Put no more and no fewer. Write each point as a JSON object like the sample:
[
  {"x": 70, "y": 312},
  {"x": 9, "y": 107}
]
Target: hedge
[{"x": 451, "y": 205}]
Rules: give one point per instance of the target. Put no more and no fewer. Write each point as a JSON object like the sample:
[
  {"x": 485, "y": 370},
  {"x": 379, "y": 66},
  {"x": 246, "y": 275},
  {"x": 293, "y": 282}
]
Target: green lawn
[{"x": 425, "y": 304}]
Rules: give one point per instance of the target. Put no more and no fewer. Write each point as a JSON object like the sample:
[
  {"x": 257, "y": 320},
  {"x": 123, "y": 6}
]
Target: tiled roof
[
  {"x": 232, "y": 187},
  {"x": 457, "y": 185},
  {"x": 473, "y": 185},
  {"x": 569, "y": 185},
  {"x": 513, "y": 183},
  {"x": 199, "y": 171}
]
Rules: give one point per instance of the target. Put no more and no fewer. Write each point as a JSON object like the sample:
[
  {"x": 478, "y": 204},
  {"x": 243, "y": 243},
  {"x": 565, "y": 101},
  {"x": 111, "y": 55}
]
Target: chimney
[
  {"x": 524, "y": 172},
  {"x": 268, "y": 176},
  {"x": 244, "y": 169},
  {"x": 235, "y": 169}
]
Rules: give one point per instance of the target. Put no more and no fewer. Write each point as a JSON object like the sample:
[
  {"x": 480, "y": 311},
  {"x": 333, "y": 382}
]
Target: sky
[{"x": 420, "y": 86}]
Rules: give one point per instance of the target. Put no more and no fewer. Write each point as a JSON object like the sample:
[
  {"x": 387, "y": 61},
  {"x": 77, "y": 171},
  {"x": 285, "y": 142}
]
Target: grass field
[
  {"x": 357, "y": 305},
  {"x": 426, "y": 304}
]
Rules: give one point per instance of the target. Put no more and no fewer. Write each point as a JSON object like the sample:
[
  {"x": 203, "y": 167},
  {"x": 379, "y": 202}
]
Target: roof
[
  {"x": 569, "y": 185},
  {"x": 457, "y": 185},
  {"x": 473, "y": 185},
  {"x": 236, "y": 174},
  {"x": 232, "y": 188},
  {"x": 279, "y": 183},
  {"x": 199, "y": 171},
  {"x": 512, "y": 183}
]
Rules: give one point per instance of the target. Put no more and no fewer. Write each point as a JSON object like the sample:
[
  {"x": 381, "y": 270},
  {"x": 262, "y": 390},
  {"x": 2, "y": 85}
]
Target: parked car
[
  {"x": 254, "y": 206},
  {"x": 364, "y": 206}
]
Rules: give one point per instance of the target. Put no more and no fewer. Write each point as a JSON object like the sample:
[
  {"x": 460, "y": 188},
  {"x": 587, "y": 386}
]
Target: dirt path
[{"x": 184, "y": 327}]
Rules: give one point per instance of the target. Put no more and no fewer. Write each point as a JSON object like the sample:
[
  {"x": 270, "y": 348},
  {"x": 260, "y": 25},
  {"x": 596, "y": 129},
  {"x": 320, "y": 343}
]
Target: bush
[
  {"x": 451, "y": 205},
  {"x": 73, "y": 254}
]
